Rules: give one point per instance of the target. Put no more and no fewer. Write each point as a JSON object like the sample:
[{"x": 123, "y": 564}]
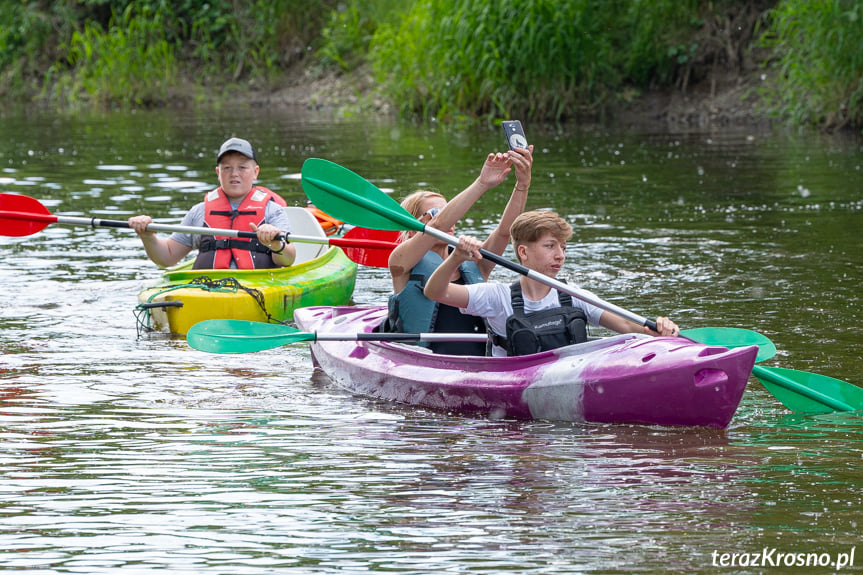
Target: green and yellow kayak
[{"x": 322, "y": 275}]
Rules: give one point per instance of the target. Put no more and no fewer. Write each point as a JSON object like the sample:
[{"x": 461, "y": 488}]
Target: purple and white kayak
[{"x": 630, "y": 378}]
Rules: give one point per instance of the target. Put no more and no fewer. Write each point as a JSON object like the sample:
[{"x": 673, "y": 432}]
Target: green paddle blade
[
  {"x": 806, "y": 392},
  {"x": 732, "y": 337},
  {"x": 239, "y": 336},
  {"x": 353, "y": 199}
]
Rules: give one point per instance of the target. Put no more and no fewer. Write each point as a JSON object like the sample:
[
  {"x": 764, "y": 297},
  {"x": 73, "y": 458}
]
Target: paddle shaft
[
  {"x": 386, "y": 336},
  {"x": 238, "y": 336},
  {"x": 572, "y": 290},
  {"x": 97, "y": 222}
]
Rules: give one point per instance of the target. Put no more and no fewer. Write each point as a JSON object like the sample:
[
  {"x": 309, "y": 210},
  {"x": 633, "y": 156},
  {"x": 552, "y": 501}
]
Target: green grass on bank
[
  {"x": 819, "y": 61},
  {"x": 545, "y": 59},
  {"x": 447, "y": 59},
  {"x": 139, "y": 52}
]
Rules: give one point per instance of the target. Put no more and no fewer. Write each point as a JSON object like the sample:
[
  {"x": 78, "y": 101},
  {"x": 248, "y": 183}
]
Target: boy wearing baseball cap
[{"x": 236, "y": 204}]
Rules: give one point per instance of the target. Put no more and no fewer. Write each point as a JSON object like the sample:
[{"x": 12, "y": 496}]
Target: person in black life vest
[
  {"x": 417, "y": 256},
  {"x": 529, "y": 316},
  {"x": 236, "y": 204}
]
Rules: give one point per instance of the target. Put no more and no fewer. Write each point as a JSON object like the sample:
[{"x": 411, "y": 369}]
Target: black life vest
[
  {"x": 217, "y": 253},
  {"x": 410, "y": 311},
  {"x": 542, "y": 330}
]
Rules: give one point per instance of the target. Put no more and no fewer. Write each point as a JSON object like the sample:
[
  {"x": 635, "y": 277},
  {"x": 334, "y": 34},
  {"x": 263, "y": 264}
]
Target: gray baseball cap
[{"x": 237, "y": 145}]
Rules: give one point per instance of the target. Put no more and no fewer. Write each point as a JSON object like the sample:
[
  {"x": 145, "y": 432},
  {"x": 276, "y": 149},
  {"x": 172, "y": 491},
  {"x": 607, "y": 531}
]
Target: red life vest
[{"x": 217, "y": 252}]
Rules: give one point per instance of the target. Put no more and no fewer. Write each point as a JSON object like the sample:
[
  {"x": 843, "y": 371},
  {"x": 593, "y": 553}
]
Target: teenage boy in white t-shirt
[{"x": 539, "y": 239}]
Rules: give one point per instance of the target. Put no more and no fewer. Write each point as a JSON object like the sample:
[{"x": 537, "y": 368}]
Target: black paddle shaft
[{"x": 97, "y": 222}]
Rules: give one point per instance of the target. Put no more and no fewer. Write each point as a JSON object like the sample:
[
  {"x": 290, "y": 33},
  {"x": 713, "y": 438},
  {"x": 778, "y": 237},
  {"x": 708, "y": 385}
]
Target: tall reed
[
  {"x": 256, "y": 40},
  {"x": 819, "y": 63},
  {"x": 544, "y": 59},
  {"x": 137, "y": 52},
  {"x": 132, "y": 62}
]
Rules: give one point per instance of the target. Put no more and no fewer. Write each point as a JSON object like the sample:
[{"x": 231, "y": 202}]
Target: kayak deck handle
[{"x": 162, "y": 304}]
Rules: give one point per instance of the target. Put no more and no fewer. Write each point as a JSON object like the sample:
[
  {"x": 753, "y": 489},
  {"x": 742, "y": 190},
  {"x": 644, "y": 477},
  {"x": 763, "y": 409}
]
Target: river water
[{"x": 141, "y": 454}]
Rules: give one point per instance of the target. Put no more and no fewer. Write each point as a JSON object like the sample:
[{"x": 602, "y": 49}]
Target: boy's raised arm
[{"x": 439, "y": 287}]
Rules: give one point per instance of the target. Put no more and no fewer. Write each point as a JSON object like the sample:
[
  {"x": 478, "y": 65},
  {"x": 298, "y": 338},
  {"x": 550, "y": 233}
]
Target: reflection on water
[
  {"x": 231, "y": 478},
  {"x": 142, "y": 454}
]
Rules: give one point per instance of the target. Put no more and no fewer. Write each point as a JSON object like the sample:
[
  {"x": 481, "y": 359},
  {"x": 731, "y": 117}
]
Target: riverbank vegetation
[{"x": 548, "y": 60}]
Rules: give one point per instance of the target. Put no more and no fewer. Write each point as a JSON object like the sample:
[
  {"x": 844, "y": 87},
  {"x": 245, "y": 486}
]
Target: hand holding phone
[{"x": 514, "y": 134}]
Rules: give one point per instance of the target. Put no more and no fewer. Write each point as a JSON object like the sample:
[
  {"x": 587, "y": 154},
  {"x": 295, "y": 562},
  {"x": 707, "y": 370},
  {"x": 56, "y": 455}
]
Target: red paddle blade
[
  {"x": 23, "y": 215},
  {"x": 378, "y": 258}
]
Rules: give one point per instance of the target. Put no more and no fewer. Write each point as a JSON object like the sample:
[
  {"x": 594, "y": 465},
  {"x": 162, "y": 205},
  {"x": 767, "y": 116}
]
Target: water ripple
[{"x": 144, "y": 455}]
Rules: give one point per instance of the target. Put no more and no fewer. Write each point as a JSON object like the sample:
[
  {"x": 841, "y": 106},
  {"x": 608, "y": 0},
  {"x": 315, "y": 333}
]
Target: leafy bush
[
  {"x": 658, "y": 40},
  {"x": 258, "y": 39},
  {"x": 27, "y": 46},
  {"x": 351, "y": 27}
]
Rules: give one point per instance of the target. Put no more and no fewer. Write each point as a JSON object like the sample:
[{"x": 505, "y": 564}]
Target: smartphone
[{"x": 514, "y": 134}]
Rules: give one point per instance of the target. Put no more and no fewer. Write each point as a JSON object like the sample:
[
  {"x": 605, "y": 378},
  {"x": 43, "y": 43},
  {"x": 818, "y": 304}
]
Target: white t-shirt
[{"x": 493, "y": 301}]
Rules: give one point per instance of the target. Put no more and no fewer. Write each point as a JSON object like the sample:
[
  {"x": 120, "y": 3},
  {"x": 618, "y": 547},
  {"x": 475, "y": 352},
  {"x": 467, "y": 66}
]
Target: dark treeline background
[{"x": 446, "y": 59}]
